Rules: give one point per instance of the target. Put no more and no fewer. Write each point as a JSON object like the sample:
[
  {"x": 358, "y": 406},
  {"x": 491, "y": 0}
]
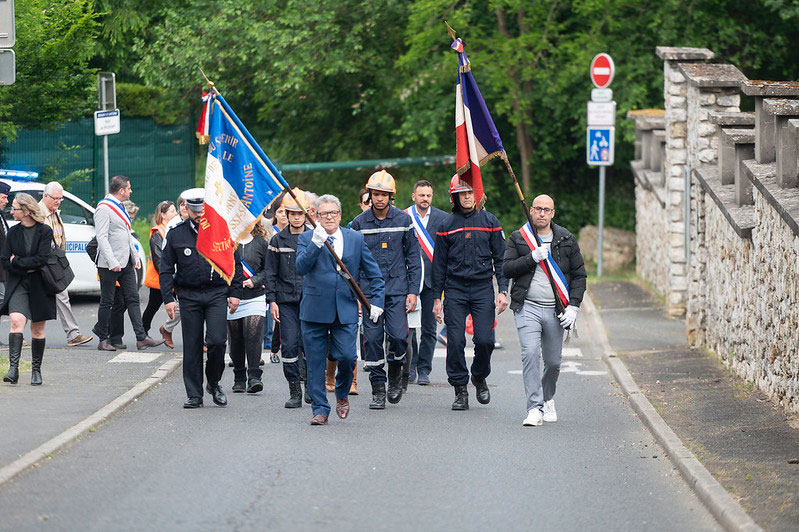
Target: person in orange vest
[{"x": 163, "y": 214}]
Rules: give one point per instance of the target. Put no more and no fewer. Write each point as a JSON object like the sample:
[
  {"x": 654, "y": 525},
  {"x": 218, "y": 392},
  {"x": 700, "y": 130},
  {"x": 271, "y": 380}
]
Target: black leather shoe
[
  {"x": 461, "y": 398},
  {"x": 483, "y": 395},
  {"x": 193, "y": 402},
  {"x": 378, "y": 397},
  {"x": 394, "y": 383},
  {"x": 105, "y": 345},
  {"x": 217, "y": 394}
]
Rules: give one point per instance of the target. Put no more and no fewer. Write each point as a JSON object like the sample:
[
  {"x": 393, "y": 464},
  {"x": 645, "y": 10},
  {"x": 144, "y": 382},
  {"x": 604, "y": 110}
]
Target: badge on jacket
[{"x": 187, "y": 251}]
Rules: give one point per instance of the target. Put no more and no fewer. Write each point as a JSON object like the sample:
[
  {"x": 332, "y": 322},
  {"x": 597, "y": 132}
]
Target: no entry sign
[{"x": 602, "y": 70}]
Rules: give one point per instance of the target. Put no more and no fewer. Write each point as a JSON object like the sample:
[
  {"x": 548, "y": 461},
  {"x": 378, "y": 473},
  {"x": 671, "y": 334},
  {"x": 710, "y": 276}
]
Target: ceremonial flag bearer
[
  {"x": 469, "y": 250},
  {"x": 205, "y": 298}
]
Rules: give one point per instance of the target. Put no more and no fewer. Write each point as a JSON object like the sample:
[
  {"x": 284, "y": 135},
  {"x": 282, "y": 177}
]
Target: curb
[
  {"x": 75, "y": 432},
  {"x": 724, "y": 508}
]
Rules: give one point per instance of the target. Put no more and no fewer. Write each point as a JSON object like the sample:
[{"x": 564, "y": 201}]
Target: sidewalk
[
  {"x": 747, "y": 444},
  {"x": 78, "y": 381}
]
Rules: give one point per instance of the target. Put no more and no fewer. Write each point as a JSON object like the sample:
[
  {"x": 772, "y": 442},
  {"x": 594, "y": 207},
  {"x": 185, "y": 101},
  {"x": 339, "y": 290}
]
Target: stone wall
[{"x": 737, "y": 284}]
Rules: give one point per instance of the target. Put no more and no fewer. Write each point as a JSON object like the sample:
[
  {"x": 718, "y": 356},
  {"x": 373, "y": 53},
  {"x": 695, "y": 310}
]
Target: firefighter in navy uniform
[
  {"x": 470, "y": 247},
  {"x": 388, "y": 232},
  {"x": 284, "y": 291},
  {"x": 205, "y": 298}
]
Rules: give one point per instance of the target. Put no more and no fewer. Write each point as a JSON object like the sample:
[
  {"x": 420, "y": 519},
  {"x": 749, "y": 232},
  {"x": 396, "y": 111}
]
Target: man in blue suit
[{"x": 329, "y": 309}]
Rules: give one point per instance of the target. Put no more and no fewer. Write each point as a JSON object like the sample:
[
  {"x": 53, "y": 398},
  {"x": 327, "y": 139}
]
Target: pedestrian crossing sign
[{"x": 599, "y": 146}]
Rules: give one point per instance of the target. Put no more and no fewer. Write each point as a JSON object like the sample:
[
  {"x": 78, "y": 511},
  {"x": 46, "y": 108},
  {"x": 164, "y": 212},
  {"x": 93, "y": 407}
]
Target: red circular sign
[{"x": 602, "y": 70}]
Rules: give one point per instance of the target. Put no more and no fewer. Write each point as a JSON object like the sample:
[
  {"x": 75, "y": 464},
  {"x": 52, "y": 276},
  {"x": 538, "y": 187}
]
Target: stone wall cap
[
  {"x": 712, "y": 75},
  {"x": 652, "y": 123},
  {"x": 643, "y": 114},
  {"x": 677, "y": 53},
  {"x": 757, "y": 87},
  {"x": 660, "y": 134},
  {"x": 732, "y": 119},
  {"x": 738, "y": 136},
  {"x": 781, "y": 106}
]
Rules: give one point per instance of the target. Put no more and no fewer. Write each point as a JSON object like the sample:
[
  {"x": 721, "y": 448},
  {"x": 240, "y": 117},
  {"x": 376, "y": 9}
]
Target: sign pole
[{"x": 601, "y": 219}]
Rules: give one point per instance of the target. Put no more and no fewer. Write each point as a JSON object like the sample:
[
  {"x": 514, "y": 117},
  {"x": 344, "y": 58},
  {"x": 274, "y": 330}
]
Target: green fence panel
[{"x": 159, "y": 160}]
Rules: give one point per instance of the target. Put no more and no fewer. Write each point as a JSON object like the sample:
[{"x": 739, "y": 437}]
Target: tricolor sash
[
  {"x": 424, "y": 238},
  {"x": 245, "y": 268},
  {"x": 560, "y": 281},
  {"x": 117, "y": 208}
]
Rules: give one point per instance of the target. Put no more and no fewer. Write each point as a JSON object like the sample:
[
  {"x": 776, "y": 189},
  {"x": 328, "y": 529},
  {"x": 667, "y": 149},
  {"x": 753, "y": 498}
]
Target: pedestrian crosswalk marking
[{"x": 135, "y": 358}]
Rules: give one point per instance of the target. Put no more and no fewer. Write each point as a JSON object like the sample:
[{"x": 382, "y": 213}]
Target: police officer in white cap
[{"x": 204, "y": 298}]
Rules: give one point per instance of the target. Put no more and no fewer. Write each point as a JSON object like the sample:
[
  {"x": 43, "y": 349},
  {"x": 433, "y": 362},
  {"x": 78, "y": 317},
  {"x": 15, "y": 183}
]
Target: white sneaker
[
  {"x": 533, "y": 418},
  {"x": 550, "y": 416}
]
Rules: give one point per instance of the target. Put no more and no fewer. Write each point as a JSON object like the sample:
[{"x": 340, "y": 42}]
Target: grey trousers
[
  {"x": 66, "y": 316},
  {"x": 540, "y": 334}
]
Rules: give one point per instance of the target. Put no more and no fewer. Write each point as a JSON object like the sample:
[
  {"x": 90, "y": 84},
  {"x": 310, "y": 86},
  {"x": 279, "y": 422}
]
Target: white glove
[
  {"x": 568, "y": 317},
  {"x": 319, "y": 236},
  {"x": 375, "y": 313},
  {"x": 540, "y": 253}
]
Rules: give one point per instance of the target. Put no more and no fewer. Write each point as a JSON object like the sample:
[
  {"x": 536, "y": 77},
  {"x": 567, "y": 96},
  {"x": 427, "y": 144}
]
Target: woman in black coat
[{"x": 25, "y": 252}]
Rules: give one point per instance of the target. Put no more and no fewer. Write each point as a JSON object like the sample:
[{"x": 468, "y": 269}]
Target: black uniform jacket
[
  {"x": 183, "y": 268},
  {"x": 254, "y": 254},
  {"x": 283, "y": 283},
  {"x": 520, "y": 266},
  {"x": 469, "y": 247}
]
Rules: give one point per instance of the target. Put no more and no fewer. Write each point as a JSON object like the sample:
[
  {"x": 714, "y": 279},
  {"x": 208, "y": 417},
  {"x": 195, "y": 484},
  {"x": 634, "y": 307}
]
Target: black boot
[
  {"x": 239, "y": 380},
  {"x": 394, "y": 383},
  {"x": 295, "y": 395},
  {"x": 37, "y": 354},
  {"x": 306, "y": 395},
  {"x": 14, "y": 352},
  {"x": 461, "y": 398},
  {"x": 378, "y": 397},
  {"x": 405, "y": 379},
  {"x": 483, "y": 395}
]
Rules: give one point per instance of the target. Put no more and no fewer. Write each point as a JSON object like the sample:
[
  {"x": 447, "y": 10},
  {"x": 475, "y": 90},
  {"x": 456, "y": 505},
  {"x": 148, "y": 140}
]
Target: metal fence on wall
[{"x": 159, "y": 160}]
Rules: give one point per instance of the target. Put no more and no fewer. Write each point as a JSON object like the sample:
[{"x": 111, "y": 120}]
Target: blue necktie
[{"x": 330, "y": 239}]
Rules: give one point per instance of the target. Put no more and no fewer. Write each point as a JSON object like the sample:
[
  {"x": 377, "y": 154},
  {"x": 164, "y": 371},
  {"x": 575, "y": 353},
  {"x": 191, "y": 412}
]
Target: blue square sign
[{"x": 599, "y": 145}]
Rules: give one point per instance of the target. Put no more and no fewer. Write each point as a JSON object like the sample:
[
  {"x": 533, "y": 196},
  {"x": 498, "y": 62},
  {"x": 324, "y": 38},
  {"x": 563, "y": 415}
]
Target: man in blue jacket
[{"x": 329, "y": 309}]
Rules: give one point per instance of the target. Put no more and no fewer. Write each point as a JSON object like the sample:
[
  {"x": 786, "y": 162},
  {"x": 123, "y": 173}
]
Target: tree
[{"x": 55, "y": 41}]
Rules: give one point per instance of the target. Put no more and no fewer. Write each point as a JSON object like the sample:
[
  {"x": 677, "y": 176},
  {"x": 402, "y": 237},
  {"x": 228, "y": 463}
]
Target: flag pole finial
[
  {"x": 208, "y": 81},
  {"x": 450, "y": 31}
]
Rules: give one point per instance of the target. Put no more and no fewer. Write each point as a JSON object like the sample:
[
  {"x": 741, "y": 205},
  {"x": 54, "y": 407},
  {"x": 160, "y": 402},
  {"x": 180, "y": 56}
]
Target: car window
[
  {"x": 73, "y": 213},
  {"x": 37, "y": 195}
]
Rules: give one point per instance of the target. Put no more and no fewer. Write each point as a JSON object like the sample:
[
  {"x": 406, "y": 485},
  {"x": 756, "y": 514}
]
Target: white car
[{"x": 78, "y": 218}]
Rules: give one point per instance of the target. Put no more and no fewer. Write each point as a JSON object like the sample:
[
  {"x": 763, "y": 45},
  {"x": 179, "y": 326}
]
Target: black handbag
[
  {"x": 91, "y": 249},
  {"x": 57, "y": 273}
]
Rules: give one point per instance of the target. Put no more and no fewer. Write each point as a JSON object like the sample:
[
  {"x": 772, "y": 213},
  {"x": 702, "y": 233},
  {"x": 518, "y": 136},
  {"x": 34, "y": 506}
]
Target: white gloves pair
[
  {"x": 568, "y": 317},
  {"x": 319, "y": 236},
  {"x": 540, "y": 253},
  {"x": 375, "y": 313}
]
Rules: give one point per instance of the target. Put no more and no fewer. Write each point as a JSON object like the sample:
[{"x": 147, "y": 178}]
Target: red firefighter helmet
[{"x": 456, "y": 185}]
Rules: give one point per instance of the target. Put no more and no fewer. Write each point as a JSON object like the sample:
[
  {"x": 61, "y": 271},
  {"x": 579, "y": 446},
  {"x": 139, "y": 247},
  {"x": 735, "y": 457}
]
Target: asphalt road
[{"x": 415, "y": 465}]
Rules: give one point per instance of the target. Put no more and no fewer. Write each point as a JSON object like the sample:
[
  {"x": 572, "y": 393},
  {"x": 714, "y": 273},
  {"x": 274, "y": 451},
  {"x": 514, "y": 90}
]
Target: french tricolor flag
[
  {"x": 476, "y": 136},
  {"x": 240, "y": 182}
]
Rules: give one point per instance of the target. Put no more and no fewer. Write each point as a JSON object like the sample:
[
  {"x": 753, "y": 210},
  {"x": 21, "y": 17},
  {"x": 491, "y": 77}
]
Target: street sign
[
  {"x": 106, "y": 122},
  {"x": 600, "y": 145},
  {"x": 601, "y": 113},
  {"x": 106, "y": 90},
  {"x": 8, "y": 66},
  {"x": 602, "y": 70},
  {"x": 7, "y": 32},
  {"x": 601, "y": 95}
]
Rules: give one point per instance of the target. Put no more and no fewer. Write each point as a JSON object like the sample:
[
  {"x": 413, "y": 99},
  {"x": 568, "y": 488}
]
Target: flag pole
[
  {"x": 341, "y": 266},
  {"x": 558, "y": 303}
]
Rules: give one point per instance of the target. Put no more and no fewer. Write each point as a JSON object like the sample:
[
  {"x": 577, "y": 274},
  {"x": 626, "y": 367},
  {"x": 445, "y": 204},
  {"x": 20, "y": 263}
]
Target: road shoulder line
[
  {"x": 724, "y": 508},
  {"x": 75, "y": 432}
]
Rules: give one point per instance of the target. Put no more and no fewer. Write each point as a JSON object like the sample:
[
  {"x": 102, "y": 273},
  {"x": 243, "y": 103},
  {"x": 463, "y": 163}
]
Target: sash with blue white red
[
  {"x": 560, "y": 281},
  {"x": 117, "y": 208},
  {"x": 245, "y": 268},
  {"x": 424, "y": 238}
]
